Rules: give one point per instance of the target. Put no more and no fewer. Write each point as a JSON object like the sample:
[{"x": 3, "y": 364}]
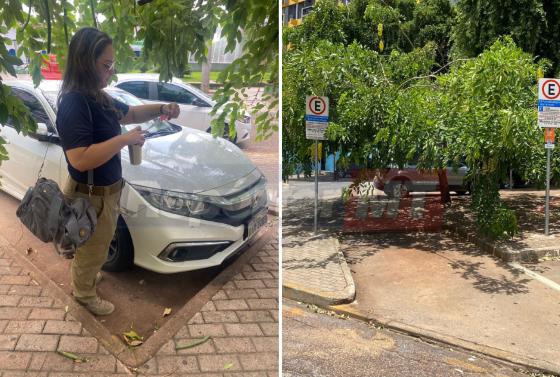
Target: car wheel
[
  {"x": 121, "y": 251},
  {"x": 397, "y": 189}
]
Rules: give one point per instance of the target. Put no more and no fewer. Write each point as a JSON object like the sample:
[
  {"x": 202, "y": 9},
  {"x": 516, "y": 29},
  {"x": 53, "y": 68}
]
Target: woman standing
[{"x": 88, "y": 123}]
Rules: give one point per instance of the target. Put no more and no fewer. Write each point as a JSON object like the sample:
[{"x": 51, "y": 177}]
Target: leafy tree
[{"x": 171, "y": 30}]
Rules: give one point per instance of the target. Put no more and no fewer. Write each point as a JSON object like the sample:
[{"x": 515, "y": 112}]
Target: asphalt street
[{"x": 319, "y": 343}]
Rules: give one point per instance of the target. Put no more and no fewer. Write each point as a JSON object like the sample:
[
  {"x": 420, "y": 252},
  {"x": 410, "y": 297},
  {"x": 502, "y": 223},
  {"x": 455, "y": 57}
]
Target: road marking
[{"x": 549, "y": 283}]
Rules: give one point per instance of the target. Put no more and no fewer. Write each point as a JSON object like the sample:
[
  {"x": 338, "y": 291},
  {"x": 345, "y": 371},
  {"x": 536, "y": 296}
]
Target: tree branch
[
  {"x": 49, "y": 26},
  {"x": 93, "y": 14},
  {"x": 28, "y": 16}
]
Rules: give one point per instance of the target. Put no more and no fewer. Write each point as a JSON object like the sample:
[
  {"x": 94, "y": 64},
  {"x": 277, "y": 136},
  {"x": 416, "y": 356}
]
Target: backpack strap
[
  {"x": 53, "y": 216},
  {"x": 90, "y": 172}
]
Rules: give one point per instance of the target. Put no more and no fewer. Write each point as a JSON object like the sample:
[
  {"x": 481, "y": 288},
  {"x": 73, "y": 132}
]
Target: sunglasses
[{"x": 109, "y": 67}]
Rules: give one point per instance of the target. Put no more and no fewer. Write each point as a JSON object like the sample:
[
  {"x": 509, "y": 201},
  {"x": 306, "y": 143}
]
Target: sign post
[
  {"x": 549, "y": 117},
  {"x": 316, "y": 122}
]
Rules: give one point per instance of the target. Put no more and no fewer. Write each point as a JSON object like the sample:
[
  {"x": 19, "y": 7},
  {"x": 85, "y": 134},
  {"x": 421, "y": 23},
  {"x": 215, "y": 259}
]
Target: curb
[
  {"x": 324, "y": 298},
  {"x": 434, "y": 336},
  {"x": 500, "y": 251}
]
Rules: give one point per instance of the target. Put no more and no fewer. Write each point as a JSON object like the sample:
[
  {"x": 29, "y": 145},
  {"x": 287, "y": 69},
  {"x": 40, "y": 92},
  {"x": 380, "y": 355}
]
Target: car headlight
[{"x": 190, "y": 205}]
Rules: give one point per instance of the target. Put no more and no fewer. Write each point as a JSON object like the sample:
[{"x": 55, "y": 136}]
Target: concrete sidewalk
[
  {"x": 436, "y": 286},
  {"x": 37, "y": 319}
]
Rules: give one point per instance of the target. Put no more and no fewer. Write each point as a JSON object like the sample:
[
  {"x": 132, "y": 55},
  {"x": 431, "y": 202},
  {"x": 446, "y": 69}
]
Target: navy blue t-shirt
[{"x": 77, "y": 129}]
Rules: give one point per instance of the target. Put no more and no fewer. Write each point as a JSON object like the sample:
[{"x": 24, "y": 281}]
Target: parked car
[
  {"x": 195, "y": 104},
  {"x": 397, "y": 182},
  {"x": 193, "y": 202}
]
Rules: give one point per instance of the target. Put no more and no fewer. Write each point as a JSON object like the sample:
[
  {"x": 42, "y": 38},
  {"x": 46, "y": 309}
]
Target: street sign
[
  {"x": 549, "y": 103},
  {"x": 549, "y": 138},
  {"x": 316, "y": 117}
]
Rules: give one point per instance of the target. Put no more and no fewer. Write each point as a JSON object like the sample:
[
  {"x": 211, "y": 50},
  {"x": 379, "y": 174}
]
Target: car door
[
  {"x": 191, "y": 115},
  {"x": 27, "y": 153}
]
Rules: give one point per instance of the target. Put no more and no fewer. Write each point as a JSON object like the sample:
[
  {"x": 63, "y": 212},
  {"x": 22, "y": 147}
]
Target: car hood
[{"x": 191, "y": 161}]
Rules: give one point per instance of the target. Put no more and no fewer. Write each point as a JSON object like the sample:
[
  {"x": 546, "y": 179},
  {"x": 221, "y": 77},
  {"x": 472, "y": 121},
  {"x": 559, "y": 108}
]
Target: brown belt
[{"x": 100, "y": 190}]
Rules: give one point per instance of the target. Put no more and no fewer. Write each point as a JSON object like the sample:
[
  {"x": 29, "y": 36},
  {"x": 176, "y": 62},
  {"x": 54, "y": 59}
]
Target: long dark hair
[{"x": 80, "y": 75}]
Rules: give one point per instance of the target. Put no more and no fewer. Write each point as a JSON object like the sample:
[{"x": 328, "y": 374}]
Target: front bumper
[{"x": 153, "y": 231}]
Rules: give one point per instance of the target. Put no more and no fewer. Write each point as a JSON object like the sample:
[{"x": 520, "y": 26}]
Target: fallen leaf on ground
[
  {"x": 66, "y": 309},
  {"x": 228, "y": 366},
  {"x": 193, "y": 344},
  {"x": 132, "y": 338},
  {"x": 166, "y": 312},
  {"x": 29, "y": 250},
  {"x": 72, "y": 356}
]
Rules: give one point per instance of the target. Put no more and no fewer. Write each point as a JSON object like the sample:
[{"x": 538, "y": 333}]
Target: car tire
[
  {"x": 121, "y": 250},
  {"x": 398, "y": 188}
]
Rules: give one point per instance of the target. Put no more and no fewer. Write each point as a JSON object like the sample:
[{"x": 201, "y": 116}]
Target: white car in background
[
  {"x": 193, "y": 202},
  {"x": 195, "y": 105}
]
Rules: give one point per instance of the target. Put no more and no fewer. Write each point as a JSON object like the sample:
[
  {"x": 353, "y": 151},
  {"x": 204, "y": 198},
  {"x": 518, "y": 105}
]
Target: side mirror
[
  {"x": 200, "y": 103},
  {"x": 44, "y": 134}
]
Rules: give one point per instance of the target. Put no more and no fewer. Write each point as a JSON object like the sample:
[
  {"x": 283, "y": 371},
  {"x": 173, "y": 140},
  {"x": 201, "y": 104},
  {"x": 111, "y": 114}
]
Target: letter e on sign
[
  {"x": 549, "y": 89},
  {"x": 317, "y": 106}
]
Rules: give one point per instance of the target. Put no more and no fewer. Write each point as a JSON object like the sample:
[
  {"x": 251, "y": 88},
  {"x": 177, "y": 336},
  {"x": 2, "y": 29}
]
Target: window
[
  {"x": 34, "y": 106},
  {"x": 138, "y": 88},
  {"x": 173, "y": 93}
]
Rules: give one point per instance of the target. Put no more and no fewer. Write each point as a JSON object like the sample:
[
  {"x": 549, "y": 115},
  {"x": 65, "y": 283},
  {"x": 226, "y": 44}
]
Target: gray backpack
[{"x": 52, "y": 218}]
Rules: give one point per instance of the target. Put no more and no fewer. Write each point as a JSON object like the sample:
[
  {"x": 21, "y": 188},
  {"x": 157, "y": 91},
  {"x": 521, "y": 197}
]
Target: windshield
[
  {"x": 124, "y": 97},
  {"x": 51, "y": 98}
]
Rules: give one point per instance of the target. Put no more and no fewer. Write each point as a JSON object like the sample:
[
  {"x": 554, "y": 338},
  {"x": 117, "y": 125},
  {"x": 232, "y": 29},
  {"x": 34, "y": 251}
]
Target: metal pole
[
  {"x": 547, "y": 199},
  {"x": 316, "y": 184}
]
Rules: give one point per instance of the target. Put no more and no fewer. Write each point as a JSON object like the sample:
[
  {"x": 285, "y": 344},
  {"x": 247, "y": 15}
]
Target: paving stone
[
  {"x": 197, "y": 318},
  {"x": 262, "y": 303},
  {"x": 259, "y": 361},
  {"x": 243, "y": 329},
  {"x": 8, "y": 342},
  {"x": 15, "y": 279},
  {"x": 14, "y": 360},
  {"x": 14, "y": 313},
  {"x": 25, "y": 290},
  {"x": 78, "y": 344},
  {"x": 97, "y": 363},
  {"x": 242, "y": 293},
  {"x": 209, "y": 306},
  {"x": 32, "y": 342},
  {"x": 265, "y": 266},
  {"x": 266, "y": 343},
  {"x": 249, "y": 275},
  {"x": 207, "y": 329},
  {"x": 215, "y": 363},
  {"x": 234, "y": 345},
  {"x": 5, "y": 261},
  {"x": 236, "y": 304},
  {"x": 4, "y": 288},
  {"x": 220, "y": 295},
  {"x": 44, "y": 313},
  {"x": 24, "y": 374},
  {"x": 204, "y": 348},
  {"x": 36, "y": 302},
  {"x": 7, "y": 300},
  {"x": 168, "y": 348},
  {"x": 255, "y": 316},
  {"x": 24, "y": 327},
  {"x": 268, "y": 293},
  {"x": 270, "y": 283},
  {"x": 62, "y": 327},
  {"x": 246, "y": 284},
  {"x": 269, "y": 329},
  {"x": 220, "y": 317},
  {"x": 57, "y": 363},
  {"x": 177, "y": 364}
]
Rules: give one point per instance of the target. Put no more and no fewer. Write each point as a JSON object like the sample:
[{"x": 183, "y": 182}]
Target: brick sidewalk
[{"x": 241, "y": 318}]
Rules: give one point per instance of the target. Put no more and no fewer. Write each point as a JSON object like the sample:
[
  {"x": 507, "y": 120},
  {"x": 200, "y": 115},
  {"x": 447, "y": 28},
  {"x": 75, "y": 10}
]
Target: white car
[
  {"x": 193, "y": 202},
  {"x": 195, "y": 104}
]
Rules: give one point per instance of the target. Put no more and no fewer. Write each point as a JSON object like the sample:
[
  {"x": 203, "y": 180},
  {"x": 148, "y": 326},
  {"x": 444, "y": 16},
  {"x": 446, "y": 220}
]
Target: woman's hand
[
  {"x": 135, "y": 136},
  {"x": 171, "y": 110}
]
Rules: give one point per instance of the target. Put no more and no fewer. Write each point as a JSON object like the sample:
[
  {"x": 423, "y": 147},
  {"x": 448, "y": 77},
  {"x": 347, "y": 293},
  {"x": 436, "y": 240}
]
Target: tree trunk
[
  {"x": 206, "y": 68},
  {"x": 444, "y": 186}
]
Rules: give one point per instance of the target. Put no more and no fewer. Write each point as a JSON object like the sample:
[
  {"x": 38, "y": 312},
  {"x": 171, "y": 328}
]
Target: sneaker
[{"x": 97, "y": 305}]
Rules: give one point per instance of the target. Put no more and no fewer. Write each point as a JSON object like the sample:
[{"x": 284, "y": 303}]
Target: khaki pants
[{"x": 92, "y": 255}]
